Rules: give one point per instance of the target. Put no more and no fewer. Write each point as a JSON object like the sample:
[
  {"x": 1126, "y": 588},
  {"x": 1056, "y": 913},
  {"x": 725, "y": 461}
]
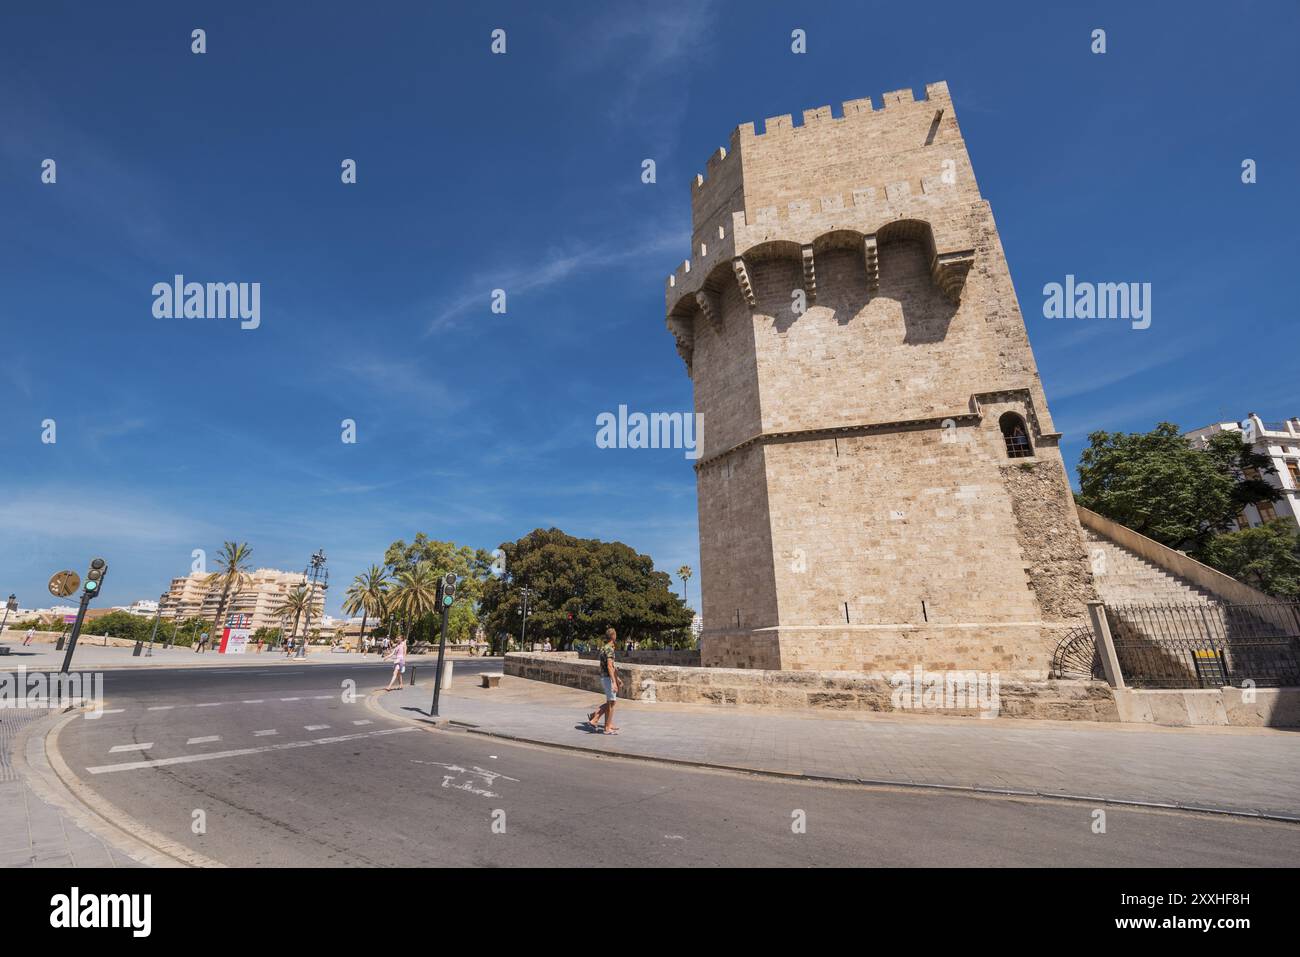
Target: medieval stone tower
[{"x": 880, "y": 484}]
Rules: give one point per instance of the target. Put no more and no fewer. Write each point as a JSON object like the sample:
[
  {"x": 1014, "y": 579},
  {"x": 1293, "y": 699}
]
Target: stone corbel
[
  {"x": 809, "y": 274},
  {"x": 705, "y": 302},
  {"x": 948, "y": 270},
  {"x": 742, "y": 278},
  {"x": 870, "y": 256}
]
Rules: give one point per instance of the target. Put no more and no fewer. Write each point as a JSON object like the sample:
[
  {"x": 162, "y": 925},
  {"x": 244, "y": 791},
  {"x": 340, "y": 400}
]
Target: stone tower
[{"x": 880, "y": 484}]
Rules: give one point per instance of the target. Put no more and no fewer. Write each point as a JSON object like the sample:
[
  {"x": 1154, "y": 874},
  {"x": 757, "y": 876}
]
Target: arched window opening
[{"x": 1016, "y": 435}]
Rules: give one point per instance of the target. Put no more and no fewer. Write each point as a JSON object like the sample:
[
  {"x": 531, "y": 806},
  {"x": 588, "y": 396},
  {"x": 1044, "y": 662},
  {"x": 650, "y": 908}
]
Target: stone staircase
[{"x": 1124, "y": 578}]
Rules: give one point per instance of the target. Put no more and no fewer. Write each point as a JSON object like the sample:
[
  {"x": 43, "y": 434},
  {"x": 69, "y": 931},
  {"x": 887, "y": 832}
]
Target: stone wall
[
  {"x": 684, "y": 657},
  {"x": 800, "y": 690}
]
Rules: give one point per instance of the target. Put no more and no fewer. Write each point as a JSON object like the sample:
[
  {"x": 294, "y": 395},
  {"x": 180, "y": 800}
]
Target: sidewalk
[
  {"x": 42, "y": 657},
  {"x": 1240, "y": 770},
  {"x": 34, "y": 830}
]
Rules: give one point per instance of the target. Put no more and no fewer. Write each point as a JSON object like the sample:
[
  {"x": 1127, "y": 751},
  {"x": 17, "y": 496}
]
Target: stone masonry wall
[{"x": 824, "y": 690}]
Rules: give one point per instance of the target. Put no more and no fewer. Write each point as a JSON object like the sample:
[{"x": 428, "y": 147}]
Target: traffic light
[
  {"x": 449, "y": 589},
  {"x": 95, "y": 577}
]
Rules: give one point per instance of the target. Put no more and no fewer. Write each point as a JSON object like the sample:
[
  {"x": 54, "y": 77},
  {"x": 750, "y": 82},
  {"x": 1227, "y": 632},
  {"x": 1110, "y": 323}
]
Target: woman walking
[{"x": 398, "y": 656}]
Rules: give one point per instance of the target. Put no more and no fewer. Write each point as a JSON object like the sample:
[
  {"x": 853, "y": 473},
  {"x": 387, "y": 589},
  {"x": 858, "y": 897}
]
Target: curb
[
  {"x": 1242, "y": 813},
  {"x": 40, "y": 763}
]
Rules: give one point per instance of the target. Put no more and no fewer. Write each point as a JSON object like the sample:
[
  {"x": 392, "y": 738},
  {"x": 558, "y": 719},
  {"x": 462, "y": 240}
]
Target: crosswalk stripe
[
  {"x": 130, "y": 747},
  {"x": 314, "y": 727},
  {"x": 363, "y": 721},
  {"x": 205, "y": 739},
  {"x": 263, "y": 734},
  {"x": 214, "y": 755}
]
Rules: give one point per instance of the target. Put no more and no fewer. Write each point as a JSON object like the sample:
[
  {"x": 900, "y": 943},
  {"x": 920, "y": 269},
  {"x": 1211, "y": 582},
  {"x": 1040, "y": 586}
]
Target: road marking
[
  {"x": 214, "y": 755},
  {"x": 205, "y": 739},
  {"x": 314, "y": 727},
  {"x": 253, "y": 701},
  {"x": 290, "y": 699},
  {"x": 211, "y": 704},
  {"x": 263, "y": 734},
  {"x": 130, "y": 747},
  {"x": 321, "y": 697},
  {"x": 160, "y": 707},
  {"x": 363, "y": 721}
]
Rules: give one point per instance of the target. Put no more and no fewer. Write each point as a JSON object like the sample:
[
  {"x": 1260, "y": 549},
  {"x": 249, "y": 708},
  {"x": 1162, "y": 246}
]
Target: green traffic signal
[
  {"x": 447, "y": 599},
  {"x": 92, "y": 585}
]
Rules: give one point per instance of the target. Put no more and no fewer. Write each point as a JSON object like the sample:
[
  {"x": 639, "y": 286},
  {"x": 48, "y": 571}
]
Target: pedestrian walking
[
  {"x": 609, "y": 682},
  {"x": 31, "y": 633},
  {"x": 398, "y": 657}
]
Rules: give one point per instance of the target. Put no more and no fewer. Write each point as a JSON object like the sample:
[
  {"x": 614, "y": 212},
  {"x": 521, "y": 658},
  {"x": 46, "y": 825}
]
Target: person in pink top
[{"x": 398, "y": 656}]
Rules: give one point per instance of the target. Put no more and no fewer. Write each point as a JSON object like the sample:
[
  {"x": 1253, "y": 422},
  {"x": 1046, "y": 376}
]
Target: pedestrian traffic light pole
[
  {"x": 94, "y": 580},
  {"x": 10, "y": 605},
  {"x": 446, "y": 595}
]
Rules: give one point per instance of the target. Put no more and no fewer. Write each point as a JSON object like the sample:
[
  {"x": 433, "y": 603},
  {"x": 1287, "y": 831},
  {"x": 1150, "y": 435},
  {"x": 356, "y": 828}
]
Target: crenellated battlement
[{"x": 820, "y": 119}]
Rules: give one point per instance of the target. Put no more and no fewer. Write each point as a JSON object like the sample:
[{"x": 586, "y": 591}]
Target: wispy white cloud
[{"x": 553, "y": 270}]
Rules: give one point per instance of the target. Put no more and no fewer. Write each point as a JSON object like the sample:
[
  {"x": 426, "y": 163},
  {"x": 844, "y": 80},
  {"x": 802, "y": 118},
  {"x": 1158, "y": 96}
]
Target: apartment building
[
  {"x": 260, "y": 598},
  {"x": 1280, "y": 441}
]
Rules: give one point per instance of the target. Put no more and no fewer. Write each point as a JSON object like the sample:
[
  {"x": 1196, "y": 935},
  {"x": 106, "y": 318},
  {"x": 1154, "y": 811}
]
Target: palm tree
[
  {"x": 294, "y": 603},
  {"x": 232, "y": 574},
  {"x": 367, "y": 594},
  {"x": 415, "y": 593},
  {"x": 684, "y": 573}
]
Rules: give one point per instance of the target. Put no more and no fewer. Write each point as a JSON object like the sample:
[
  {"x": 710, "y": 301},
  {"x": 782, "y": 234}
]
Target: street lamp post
[
  {"x": 10, "y": 605},
  {"x": 317, "y": 573},
  {"x": 523, "y": 625}
]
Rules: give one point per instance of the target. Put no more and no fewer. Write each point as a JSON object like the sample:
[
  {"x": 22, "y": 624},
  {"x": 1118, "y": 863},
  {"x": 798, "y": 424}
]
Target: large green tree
[
  {"x": 1266, "y": 557},
  {"x": 1160, "y": 484},
  {"x": 579, "y": 586},
  {"x": 470, "y": 565}
]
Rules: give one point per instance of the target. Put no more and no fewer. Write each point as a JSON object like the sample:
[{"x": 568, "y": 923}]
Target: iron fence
[{"x": 1207, "y": 645}]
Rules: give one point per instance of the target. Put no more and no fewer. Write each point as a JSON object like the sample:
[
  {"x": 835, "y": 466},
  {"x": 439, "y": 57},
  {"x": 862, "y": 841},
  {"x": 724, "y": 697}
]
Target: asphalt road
[{"x": 286, "y": 772}]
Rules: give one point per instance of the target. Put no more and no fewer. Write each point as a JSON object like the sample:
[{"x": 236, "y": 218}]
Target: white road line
[
  {"x": 253, "y": 701},
  {"x": 205, "y": 739},
  {"x": 321, "y": 697},
  {"x": 92, "y": 715},
  {"x": 130, "y": 747},
  {"x": 314, "y": 727},
  {"x": 363, "y": 721},
  {"x": 290, "y": 699},
  {"x": 211, "y": 704},
  {"x": 214, "y": 755},
  {"x": 160, "y": 707},
  {"x": 263, "y": 734}
]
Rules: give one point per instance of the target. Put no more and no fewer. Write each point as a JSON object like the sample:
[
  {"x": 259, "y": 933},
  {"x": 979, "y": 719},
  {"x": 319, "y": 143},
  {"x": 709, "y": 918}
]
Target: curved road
[{"x": 285, "y": 771}]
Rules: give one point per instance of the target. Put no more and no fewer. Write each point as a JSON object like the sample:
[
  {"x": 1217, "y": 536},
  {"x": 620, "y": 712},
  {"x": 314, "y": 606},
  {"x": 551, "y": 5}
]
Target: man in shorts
[{"x": 609, "y": 681}]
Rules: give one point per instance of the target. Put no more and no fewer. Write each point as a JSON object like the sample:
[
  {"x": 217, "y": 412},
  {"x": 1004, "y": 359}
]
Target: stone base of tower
[{"x": 1007, "y": 648}]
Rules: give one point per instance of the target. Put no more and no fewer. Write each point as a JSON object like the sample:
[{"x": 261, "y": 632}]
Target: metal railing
[{"x": 1205, "y": 645}]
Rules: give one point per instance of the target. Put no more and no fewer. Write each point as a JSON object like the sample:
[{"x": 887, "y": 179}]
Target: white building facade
[{"x": 1280, "y": 442}]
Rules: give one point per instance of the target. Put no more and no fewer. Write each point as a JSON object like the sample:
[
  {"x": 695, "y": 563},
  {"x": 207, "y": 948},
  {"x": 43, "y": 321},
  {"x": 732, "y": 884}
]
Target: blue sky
[{"x": 522, "y": 172}]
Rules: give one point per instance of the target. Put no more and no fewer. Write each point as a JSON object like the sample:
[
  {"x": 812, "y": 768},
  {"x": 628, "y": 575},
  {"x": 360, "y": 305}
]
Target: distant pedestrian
[
  {"x": 609, "y": 683},
  {"x": 547, "y": 646},
  {"x": 398, "y": 656},
  {"x": 31, "y": 633}
]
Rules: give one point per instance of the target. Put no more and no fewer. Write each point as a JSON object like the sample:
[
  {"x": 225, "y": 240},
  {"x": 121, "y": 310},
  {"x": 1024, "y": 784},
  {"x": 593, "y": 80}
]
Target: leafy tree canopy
[
  {"x": 1266, "y": 557},
  {"x": 1159, "y": 484},
  {"x": 598, "y": 583}
]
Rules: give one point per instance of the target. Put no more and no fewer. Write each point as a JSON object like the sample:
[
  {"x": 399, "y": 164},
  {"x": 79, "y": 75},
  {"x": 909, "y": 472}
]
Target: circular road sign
[{"x": 64, "y": 584}]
